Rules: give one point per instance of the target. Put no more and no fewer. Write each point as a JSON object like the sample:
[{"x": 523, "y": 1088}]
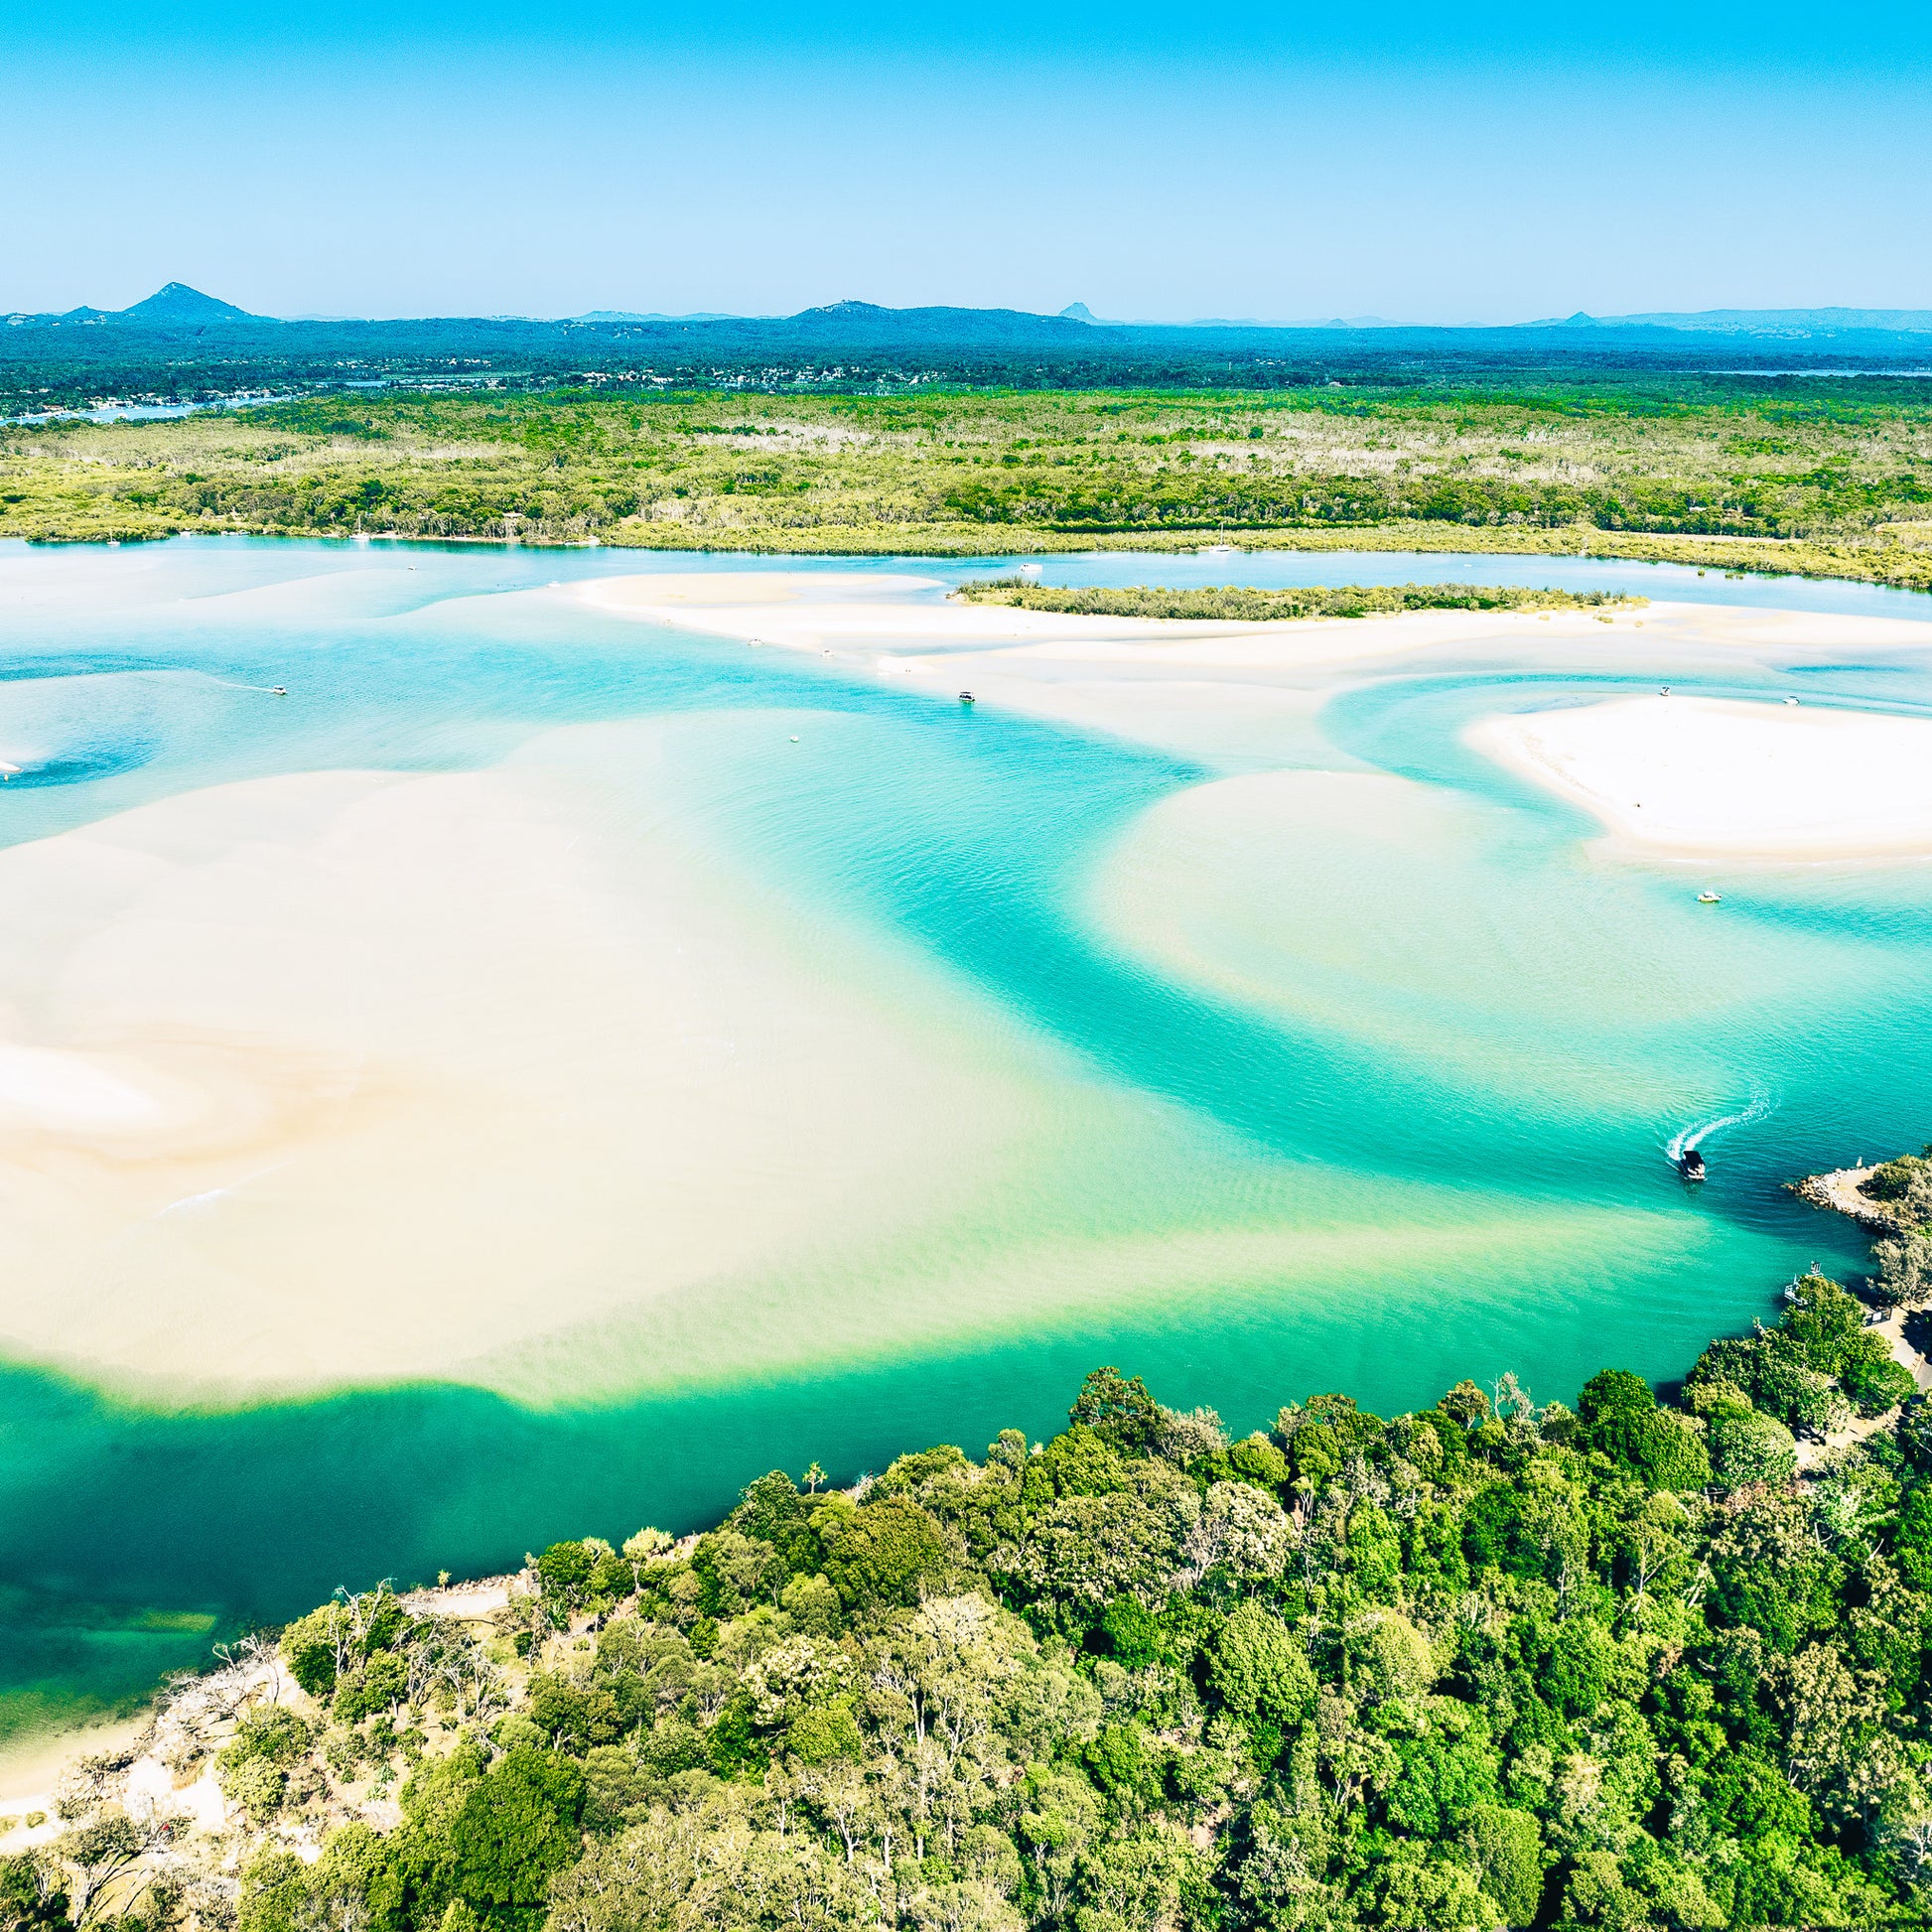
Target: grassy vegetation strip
[{"x": 1230, "y": 601}]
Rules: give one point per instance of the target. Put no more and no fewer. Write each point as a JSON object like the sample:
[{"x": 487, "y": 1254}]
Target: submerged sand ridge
[{"x": 1713, "y": 777}]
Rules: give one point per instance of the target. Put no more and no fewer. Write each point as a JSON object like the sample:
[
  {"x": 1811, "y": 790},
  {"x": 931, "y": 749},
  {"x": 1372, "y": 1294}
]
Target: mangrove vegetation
[
  {"x": 1231, "y": 603},
  {"x": 1738, "y": 475}
]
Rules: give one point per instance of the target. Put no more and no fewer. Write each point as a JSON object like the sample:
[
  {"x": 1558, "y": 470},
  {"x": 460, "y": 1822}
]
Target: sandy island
[
  {"x": 1720, "y": 779},
  {"x": 1202, "y": 687},
  {"x": 833, "y": 611}
]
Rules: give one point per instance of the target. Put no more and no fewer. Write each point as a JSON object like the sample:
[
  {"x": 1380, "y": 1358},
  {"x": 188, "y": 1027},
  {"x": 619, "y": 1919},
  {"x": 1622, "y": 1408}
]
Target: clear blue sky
[{"x": 1428, "y": 163}]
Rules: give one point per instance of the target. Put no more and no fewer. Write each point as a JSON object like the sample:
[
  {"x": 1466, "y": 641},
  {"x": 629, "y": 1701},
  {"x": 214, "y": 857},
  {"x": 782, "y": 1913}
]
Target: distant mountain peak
[
  {"x": 176, "y": 302},
  {"x": 1768, "y": 322},
  {"x": 1078, "y": 312}
]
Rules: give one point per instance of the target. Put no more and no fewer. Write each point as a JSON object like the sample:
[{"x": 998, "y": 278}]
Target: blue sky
[{"x": 1478, "y": 163}]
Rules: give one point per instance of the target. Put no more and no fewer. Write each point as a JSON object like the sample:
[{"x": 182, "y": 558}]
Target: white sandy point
[{"x": 1720, "y": 777}]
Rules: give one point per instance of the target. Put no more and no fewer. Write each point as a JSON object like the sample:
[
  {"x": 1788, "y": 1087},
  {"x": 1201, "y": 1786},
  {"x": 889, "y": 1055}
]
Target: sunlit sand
[
  {"x": 1245, "y": 691},
  {"x": 1712, "y": 778},
  {"x": 844, "y": 609},
  {"x": 347, "y": 1077}
]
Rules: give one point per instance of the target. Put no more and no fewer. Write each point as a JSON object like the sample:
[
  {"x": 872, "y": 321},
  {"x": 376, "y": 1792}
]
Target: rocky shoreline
[{"x": 1839, "y": 1190}]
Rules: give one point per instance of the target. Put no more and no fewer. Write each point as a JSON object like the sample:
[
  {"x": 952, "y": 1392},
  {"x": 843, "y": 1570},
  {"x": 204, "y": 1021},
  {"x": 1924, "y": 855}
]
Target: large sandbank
[
  {"x": 1696, "y": 777},
  {"x": 522, "y": 1078},
  {"x": 348, "y": 1076},
  {"x": 834, "y": 611}
]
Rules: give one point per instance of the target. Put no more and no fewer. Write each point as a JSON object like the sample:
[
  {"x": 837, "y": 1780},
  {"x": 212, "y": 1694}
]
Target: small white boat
[
  {"x": 1710, "y": 899},
  {"x": 966, "y": 698}
]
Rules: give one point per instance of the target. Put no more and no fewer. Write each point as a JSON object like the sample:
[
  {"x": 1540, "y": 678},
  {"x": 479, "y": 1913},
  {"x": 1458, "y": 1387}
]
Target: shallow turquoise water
[{"x": 1508, "y": 1043}]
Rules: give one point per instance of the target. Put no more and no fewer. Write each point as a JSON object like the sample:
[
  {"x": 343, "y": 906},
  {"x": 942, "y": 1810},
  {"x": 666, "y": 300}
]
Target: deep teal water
[{"x": 974, "y": 841}]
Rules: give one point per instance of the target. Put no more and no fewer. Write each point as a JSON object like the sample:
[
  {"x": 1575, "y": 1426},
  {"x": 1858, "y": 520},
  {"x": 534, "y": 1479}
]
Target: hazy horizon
[{"x": 1837, "y": 309}]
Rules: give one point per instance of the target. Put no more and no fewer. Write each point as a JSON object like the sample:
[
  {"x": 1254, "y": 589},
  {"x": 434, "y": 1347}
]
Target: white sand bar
[
  {"x": 839, "y": 611},
  {"x": 1718, "y": 777},
  {"x": 1202, "y": 688},
  {"x": 1246, "y": 693}
]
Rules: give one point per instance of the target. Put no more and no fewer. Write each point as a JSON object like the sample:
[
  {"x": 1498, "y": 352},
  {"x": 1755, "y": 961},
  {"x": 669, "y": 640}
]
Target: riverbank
[
  {"x": 1842, "y": 1190},
  {"x": 652, "y": 1733},
  {"x": 1903, "y": 566}
]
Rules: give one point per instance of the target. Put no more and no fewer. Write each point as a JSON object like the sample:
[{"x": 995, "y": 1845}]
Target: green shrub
[
  {"x": 1617, "y": 1415},
  {"x": 1748, "y": 1445},
  {"x": 880, "y": 1553},
  {"x": 1259, "y": 1671},
  {"x": 1509, "y": 1858}
]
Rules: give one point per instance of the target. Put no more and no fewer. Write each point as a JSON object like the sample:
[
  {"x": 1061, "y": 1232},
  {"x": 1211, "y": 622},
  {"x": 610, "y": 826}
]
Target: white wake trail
[{"x": 1679, "y": 1143}]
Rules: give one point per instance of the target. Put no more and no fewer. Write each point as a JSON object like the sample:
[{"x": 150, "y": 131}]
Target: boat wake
[{"x": 1686, "y": 1138}]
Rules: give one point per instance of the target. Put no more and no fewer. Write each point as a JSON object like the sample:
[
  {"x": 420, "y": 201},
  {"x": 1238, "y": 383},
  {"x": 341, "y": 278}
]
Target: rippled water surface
[{"x": 1337, "y": 1102}]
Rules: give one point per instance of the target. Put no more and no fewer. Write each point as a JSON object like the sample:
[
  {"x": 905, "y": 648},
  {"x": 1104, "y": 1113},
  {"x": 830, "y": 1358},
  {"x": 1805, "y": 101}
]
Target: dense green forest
[
  {"x": 1638, "y": 1662},
  {"x": 1747, "y": 474}
]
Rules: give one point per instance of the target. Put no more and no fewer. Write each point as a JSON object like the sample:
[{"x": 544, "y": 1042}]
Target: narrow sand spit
[
  {"x": 853, "y": 610},
  {"x": 1200, "y": 688},
  {"x": 31, "y": 1766},
  {"x": 1720, "y": 779},
  {"x": 1245, "y": 691}
]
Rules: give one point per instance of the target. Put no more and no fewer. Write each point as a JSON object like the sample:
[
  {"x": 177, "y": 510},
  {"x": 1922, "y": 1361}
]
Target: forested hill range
[
  {"x": 182, "y": 343},
  {"x": 1492, "y": 1664}
]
